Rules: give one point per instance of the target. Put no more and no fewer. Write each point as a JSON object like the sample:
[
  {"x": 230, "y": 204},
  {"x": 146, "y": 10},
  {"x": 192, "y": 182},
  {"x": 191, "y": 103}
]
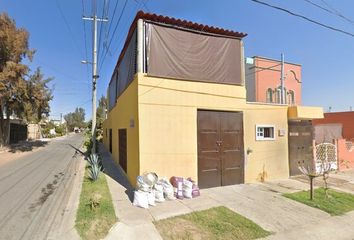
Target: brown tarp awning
[
  {"x": 124, "y": 74},
  {"x": 181, "y": 54}
]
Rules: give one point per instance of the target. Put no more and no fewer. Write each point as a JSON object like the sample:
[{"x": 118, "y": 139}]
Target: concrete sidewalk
[
  {"x": 134, "y": 222},
  {"x": 262, "y": 203}
]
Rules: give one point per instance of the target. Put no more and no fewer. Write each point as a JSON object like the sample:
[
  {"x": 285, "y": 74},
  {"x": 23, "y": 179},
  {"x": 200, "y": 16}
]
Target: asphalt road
[{"x": 34, "y": 189}]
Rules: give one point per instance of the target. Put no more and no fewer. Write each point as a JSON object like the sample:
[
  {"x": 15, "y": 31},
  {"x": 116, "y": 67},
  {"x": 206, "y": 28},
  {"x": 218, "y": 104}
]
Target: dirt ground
[{"x": 16, "y": 151}]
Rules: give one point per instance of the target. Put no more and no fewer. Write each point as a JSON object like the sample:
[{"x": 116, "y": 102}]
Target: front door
[
  {"x": 220, "y": 148},
  {"x": 300, "y": 145}
]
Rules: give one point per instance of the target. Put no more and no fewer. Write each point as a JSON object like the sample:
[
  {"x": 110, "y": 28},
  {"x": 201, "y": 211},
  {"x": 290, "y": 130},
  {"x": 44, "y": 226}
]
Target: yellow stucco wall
[
  {"x": 305, "y": 113},
  {"x": 168, "y": 127},
  {"x": 125, "y": 111}
]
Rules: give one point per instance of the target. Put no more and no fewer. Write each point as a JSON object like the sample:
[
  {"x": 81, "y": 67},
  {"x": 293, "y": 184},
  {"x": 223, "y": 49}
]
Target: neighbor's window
[
  {"x": 269, "y": 95},
  {"x": 291, "y": 97},
  {"x": 265, "y": 132}
]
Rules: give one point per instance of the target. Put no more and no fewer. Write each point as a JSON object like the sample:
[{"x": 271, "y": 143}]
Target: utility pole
[
  {"x": 282, "y": 79},
  {"x": 94, "y": 19}
]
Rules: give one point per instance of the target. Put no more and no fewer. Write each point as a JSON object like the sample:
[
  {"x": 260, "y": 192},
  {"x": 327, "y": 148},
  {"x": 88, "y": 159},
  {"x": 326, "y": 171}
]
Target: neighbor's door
[
  {"x": 110, "y": 140},
  {"x": 300, "y": 145},
  {"x": 220, "y": 148},
  {"x": 122, "y": 136}
]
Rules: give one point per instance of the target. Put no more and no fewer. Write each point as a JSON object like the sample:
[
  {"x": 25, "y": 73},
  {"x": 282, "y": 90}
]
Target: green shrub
[
  {"x": 88, "y": 145},
  {"x": 60, "y": 130}
]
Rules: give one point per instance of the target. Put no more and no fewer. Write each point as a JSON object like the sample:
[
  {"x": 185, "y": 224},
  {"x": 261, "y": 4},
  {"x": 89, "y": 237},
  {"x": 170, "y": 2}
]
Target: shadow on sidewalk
[{"x": 115, "y": 172}]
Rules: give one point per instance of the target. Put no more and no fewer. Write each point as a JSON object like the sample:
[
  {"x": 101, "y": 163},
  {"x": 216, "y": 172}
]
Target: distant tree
[
  {"x": 13, "y": 48},
  {"x": 75, "y": 119},
  {"x": 39, "y": 95}
]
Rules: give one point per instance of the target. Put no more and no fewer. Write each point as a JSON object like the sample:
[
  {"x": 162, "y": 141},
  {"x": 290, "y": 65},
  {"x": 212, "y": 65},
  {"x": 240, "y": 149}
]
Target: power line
[
  {"x": 100, "y": 34},
  {"x": 68, "y": 26},
  {"x": 113, "y": 15},
  {"x": 84, "y": 26},
  {"x": 114, "y": 31},
  {"x": 122, "y": 37},
  {"x": 110, "y": 25},
  {"x": 85, "y": 40},
  {"x": 144, "y": 4},
  {"x": 305, "y": 18},
  {"x": 262, "y": 69},
  {"x": 338, "y": 13},
  {"x": 331, "y": 11}
]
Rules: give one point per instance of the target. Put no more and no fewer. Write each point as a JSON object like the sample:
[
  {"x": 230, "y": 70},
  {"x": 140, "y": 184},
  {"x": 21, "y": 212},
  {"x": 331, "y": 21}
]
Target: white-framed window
[{"x": 265, "y": 132}]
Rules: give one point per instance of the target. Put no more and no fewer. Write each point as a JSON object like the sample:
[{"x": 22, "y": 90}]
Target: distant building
[{"x": 263, "y": 81}]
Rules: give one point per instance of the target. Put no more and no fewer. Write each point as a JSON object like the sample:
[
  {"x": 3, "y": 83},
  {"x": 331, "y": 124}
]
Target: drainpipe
[{"x": 140, "y": 41}]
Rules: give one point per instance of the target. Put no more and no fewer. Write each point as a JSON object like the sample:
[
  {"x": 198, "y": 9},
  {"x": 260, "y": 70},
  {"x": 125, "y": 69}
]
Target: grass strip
[
  {"x": 213, "y": 223},
  {"x": 337, "y": 203},
  {"x": 95, "y": 223}
]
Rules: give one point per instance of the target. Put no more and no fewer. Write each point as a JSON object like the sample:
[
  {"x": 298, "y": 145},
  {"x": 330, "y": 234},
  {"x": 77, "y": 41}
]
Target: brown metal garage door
[
  {"x": 300, "y": 145},
  {"x": 220, "y": 148}
]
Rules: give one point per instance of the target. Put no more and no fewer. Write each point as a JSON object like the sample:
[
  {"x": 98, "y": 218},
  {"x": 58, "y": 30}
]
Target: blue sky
[{"x": 57, "y": 33}]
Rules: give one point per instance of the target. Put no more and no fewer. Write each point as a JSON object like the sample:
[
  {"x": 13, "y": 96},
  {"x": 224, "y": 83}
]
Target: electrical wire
[
  {"x": 331, "y": 11},
  {"x": 101, "y": 26},
  {"x": 113, "y": 15},
  {"x": 85, "y": 40},
  {"x": 305, "y": 18},
  {"x": 69, "y": 28},
  {"x": 123, "y": 36},
  {"x": 114, "y": 31},
  {"x": 110, "y": 25},
  {"x": 268, "y": 68},
  {"x": 338, "y": 13}
]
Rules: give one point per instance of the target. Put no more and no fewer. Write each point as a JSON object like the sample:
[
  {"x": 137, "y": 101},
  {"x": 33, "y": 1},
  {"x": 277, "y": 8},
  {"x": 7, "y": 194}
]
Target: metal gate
[
  {"x": 220, "y": 148},
  {"x": 18, "y": 132},
  {"x": 300, "y": 145},
  {"x": 326, "y": 152}
]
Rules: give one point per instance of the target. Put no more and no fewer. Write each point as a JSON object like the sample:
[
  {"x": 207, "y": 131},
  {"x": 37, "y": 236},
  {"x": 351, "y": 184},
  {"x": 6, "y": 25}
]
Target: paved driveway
[{"x": 34, "y": 188}]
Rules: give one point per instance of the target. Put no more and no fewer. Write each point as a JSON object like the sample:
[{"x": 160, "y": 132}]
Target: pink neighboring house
[
  {"x": 263, "y": 81},
  {"x": 345, "y": 145}
]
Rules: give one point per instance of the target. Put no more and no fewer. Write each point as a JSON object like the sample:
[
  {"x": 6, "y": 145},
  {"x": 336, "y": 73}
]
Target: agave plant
[
  {"x": 95, "y": 166},
  {"x": 94, "y": 172},
  {"x": 93, "y": 159}
]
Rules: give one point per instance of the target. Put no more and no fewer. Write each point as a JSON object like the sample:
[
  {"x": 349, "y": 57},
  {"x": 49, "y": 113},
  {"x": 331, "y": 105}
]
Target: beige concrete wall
[
  {"x": 268, "y": 158},
  {"x": 121, "y": 116},
  {"x": 33, "y": 131},
  {"x": 168, "y": 127}
]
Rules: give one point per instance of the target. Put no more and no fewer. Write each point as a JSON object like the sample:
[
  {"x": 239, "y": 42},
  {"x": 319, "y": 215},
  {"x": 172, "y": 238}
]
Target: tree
[
  {"x": 101, "y": 114},
  {"x": 75, "y": 119},
  {"x": 39, "y": 96},
  {"x": 13, "y": 48}
]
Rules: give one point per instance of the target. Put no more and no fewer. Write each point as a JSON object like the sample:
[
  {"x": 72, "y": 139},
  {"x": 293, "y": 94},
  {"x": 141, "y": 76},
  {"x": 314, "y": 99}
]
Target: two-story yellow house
[{"x": 177, "y": 107}]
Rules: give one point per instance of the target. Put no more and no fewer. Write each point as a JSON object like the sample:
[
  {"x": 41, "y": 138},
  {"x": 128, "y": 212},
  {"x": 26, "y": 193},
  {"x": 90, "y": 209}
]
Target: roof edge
[
  {"x": 173, "y": 21},
  {"x": 189, "y": 25},
  {"x": 276, "y": 60}
]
